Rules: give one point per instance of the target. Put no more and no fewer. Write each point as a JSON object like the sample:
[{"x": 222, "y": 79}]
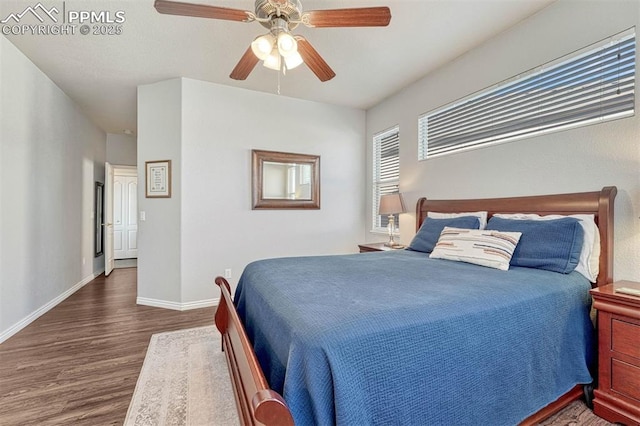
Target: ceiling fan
[{"x": 279, "y": 49}]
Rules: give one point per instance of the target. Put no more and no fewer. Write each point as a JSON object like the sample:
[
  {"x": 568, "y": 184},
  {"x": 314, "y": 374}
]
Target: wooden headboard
[{"x": 598, "y": 203}]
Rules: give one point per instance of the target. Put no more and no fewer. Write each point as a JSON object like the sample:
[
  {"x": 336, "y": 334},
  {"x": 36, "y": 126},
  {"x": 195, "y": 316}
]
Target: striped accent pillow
[{"x": 486, "y": 248}]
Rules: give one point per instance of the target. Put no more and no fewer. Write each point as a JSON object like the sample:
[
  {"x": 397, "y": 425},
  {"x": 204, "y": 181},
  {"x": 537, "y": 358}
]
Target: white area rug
[{"x": 184, "y": 381}]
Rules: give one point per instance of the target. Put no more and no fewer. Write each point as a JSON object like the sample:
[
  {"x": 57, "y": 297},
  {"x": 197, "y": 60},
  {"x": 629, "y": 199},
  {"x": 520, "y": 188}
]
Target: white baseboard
[
  {"x": 176, "y": 306},
  {"x": 46, "y": 307}
]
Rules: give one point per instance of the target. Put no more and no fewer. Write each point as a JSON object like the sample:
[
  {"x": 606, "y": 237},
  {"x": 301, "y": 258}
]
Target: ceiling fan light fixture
[
  {"x": 287, "y": 44},
  {"x": 262, "y": 46},
  {"x": 273, "y": 60},
  {"x": 281, "y": 17},
  {"x": 293, "y": 61}
]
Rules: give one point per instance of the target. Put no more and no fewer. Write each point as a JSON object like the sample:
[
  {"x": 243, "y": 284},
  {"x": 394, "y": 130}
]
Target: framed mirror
[
  {"x": 282, "y": 180},
  {"x": 99, "y": 218}
]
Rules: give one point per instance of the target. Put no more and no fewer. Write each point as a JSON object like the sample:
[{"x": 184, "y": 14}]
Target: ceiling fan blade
[
  {"x": 202, "y": 11},
  {"x": 244, "y": 67},
  {"x": 314, "y": 61},
  {"x": 358, "y": 17}
]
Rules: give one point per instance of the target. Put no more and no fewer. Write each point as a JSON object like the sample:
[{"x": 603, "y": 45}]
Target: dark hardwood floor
[{"x": 78, "y": 364}]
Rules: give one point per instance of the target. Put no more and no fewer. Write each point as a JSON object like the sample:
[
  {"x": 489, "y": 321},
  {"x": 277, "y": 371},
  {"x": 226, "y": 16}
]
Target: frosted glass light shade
[
  {"x": 287, "y": 45},
  {"x": 293, "y": 61},
  {"x": 273, "y": 60},
  {"x": 262, "y": 46}
]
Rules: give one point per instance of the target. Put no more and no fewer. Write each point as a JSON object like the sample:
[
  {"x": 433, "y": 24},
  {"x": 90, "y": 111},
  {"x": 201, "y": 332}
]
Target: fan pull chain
[
  {"x": 279, "y": 81},
  {"x": 281, "y": 62}
]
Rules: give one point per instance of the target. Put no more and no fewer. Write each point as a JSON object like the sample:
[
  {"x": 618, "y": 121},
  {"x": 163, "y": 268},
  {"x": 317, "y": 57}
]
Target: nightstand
[
  {"x": 365, "y": 248},
  {"x": 617, "y": 397}
]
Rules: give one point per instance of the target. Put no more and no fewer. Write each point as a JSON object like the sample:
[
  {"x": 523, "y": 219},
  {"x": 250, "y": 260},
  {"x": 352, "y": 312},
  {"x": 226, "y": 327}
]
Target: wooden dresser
[{"x": 617, "y": 397}]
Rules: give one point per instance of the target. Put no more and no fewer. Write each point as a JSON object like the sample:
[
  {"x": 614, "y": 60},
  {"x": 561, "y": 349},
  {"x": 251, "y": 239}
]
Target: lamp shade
[
  {"x": 263, "y": 45},
  {"x": 287, "y": 45},
  {"x": 391, "y": 204},
  {"x": 293, "y": 61},
  {"x": 273, "y": 60}
]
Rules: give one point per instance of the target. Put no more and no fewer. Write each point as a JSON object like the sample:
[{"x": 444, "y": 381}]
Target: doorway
[{"x": 125, "y": 216}]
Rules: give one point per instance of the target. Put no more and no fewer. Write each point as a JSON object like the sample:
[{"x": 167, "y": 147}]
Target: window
[
  {"x": 386, "y": 172},
  {"x": 589, "y": 86}
]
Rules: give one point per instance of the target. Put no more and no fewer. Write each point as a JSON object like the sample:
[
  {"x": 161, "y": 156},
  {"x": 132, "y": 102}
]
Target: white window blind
[
  {"x": 592, "y": 85},
  {"x": 386, "y": 172}
]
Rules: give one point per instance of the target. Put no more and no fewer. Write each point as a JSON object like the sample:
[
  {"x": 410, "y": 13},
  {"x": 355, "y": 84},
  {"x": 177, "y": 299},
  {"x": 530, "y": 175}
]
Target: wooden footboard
[{"x": 257, "y": 404}]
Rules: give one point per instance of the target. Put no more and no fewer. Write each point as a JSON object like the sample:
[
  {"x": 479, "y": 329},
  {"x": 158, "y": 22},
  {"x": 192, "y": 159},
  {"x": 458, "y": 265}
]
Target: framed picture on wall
[{"x": 158, "y": 179}]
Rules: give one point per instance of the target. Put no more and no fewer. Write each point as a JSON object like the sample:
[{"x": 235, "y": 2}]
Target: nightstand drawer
[
  {"x": 365, "y": 248},
  {"x": 617, "y": 397},
  {"x": 625, "y": 379},
  {"x": 625, "y": 338}
]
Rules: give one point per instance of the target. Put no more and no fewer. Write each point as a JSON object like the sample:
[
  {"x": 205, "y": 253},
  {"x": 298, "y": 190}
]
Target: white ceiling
[{"x": 101, "y": 73}]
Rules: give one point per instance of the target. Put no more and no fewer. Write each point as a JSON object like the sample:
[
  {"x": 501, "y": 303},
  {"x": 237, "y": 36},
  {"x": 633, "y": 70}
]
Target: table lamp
[{"x": 391, "y": 204}]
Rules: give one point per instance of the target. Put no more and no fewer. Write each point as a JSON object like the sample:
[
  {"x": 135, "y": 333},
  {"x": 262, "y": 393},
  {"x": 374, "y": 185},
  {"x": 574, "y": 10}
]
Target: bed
[{"x": 403, "y": 353}]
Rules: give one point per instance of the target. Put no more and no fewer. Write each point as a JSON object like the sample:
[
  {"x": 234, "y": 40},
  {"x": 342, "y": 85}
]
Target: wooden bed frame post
[
  {"x": 256, "y": 402},
  {"x": 222, "y": 313},
  {"x": 605, "y": 225}
]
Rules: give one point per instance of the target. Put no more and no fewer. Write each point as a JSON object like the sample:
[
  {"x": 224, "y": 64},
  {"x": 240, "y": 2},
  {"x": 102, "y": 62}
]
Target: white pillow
[
  {"x": 486, "y": 248},
  {"x": 482, "y": 216},
  {"x": 589, "y": 264}
]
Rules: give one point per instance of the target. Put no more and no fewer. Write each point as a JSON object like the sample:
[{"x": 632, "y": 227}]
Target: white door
[
  {"x": 125, "y": 214},
  {"x": 108, "y": 219}
]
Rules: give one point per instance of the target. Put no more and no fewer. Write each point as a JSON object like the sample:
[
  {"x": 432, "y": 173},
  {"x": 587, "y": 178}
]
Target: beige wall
[
  {"x": 208, "y": 131},
  {"x": 583, "y": 159},
  {"x": 122, "y": 149},
  {"x": 51, "y": 155}
]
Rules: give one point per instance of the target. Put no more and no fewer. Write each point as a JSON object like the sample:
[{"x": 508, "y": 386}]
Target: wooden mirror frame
[{"x": 259, "y": 157}]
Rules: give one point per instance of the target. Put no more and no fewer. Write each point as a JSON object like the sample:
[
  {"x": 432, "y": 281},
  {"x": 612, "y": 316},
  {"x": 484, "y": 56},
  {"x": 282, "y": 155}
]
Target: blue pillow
[
  {"x": 427, "y": 236},
  {"x": 554, "y": 245}
]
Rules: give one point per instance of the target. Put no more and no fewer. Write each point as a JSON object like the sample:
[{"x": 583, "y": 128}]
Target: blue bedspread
[{"x": 397, "y": 338}]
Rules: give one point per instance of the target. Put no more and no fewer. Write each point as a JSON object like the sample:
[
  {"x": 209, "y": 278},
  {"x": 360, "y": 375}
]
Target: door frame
[
  {"x": 109, "y": 175},
  {"x": 109, "y": 262}
]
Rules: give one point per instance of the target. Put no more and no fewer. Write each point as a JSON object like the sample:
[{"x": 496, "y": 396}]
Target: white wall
[
  {"x": 159, "y": 138},
  {"x": 51, "y": 157},
  {"x": 121, "y": 149},
  {"x": 219, "y": 126},
  {"x": 584, "y": 159}
]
